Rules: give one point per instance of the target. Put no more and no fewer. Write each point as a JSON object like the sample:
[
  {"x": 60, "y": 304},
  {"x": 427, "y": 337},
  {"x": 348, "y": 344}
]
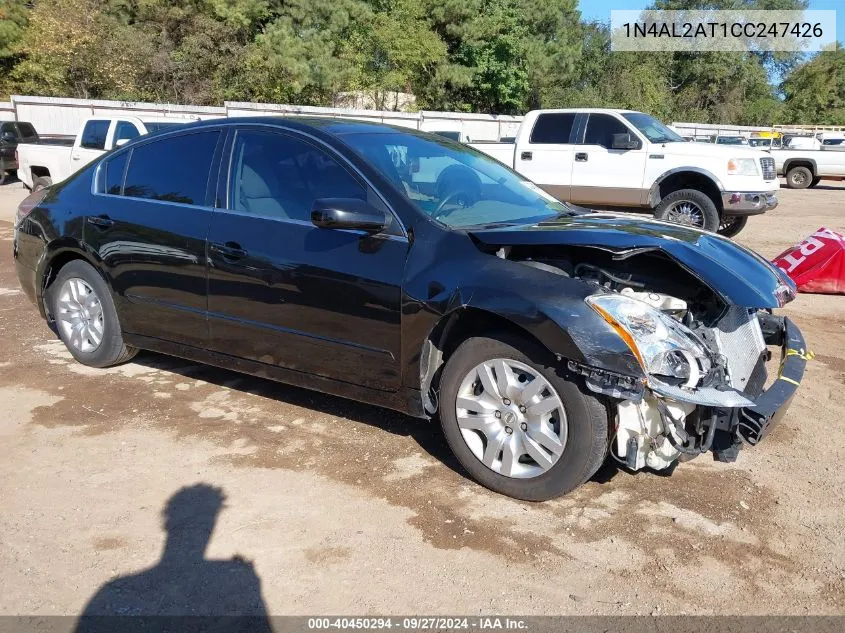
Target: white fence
[{"x": 58, "y": 115}]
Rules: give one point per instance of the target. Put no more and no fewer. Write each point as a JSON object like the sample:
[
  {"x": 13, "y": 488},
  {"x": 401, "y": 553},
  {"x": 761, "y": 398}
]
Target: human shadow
[{"x": 184, "y": 590}]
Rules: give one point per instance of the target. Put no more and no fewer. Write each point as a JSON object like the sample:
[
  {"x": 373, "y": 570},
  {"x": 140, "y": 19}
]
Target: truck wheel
[
  {"x": 689, "y": 207},
  {"x": 42, "y": 182},
  {"x": 517, "y": 423},
  {"x": 815, "y": 181},
  {"x": 799, "y": 178},
  {"x": 3, "y": 176},
  {"x": 82, "y": 307},
  {"x": 732, "y": 225}
]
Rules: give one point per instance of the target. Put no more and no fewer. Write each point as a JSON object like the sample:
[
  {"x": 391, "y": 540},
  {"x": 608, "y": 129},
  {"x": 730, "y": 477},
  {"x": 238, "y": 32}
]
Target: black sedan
[{"x": 407, "y": 270}]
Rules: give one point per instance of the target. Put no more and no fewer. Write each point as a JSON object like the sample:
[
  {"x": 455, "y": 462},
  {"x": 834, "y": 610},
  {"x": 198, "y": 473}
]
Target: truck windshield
[
  {"x": 653, "y": 129},
  {"x": 453, "y": 183}
]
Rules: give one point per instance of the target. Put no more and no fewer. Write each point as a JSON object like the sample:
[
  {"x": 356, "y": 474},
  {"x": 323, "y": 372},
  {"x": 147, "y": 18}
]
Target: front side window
[
  {"x": 125, "y": 130},
  {"x": 453, "y": 183},
  {"x": 94, "y": 135},
  {"x": 601, "y": 128},
  {"x": 174, "y": 169},
  {"x": 278, "y": 176}
]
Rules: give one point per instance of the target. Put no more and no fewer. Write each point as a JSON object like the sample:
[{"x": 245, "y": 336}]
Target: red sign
[{"x": 817, "y": 264}]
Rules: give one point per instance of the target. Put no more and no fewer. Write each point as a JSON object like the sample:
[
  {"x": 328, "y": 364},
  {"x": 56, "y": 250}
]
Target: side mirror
[
  {"x": 121, "y": 142},
  {"x": 347, "y": 213},
  {"x": 625, "y": 140}
]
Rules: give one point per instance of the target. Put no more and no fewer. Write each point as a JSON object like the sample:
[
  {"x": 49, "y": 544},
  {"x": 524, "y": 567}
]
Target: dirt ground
[{"x": 332, "y": 507}]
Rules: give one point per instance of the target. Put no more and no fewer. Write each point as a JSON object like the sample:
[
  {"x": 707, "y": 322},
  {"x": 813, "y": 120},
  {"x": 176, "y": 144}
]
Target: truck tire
[
  {"x": 524, "y": 439},
  {"x": 815, "y": 181},
  {"x": 732, "y": 224},
  {"x": 799, "y": 178},
  {"x": 42, "y": 182},
  {"x": 689, "y": 207}
]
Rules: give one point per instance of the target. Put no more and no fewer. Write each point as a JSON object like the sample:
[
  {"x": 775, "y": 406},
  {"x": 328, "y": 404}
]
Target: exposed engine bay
[{"x": 705, "y": 359}]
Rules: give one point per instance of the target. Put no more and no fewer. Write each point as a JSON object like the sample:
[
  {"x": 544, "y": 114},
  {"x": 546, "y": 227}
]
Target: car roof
[{"x": 330, "y": 125}]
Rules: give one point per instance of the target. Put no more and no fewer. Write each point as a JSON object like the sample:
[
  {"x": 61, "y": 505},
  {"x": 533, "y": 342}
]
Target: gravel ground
[{"x": 336, "y": 507}]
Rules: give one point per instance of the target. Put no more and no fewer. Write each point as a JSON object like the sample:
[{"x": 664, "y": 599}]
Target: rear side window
[
  {"x": 5, "y": 128},
  {"x": 94, "y": 135},
  {"x": 125, "y": 130},
  {"x": 553, "y": 127},
  {"x": 174, "y": 169},
  {"x": 27, "y": 131},
  {"x": 113, "y": 171},
  {"x": 601, "y": 128}
]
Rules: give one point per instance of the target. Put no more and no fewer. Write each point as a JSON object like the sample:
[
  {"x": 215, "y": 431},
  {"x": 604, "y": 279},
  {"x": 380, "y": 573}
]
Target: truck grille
[{"x": 768, "y": 165}]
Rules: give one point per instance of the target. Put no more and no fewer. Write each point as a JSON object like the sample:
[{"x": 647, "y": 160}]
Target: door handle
[
  {"x": 526, "y": 156},
  {"x": 102, "y": 221},
  {"x": 581, "y": 157},
  {"x": 230, "y": 250},
  {"x": 76, "y": 157}
]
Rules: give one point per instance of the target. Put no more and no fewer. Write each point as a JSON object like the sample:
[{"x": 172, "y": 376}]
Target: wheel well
[
  {"x": 448, "y": 334},
  {"x": 800, "y": 163},
  {"x": 38, "y": 172},
  {"x": 52, "y": 271},
  {"x": 690, "y": 180}
]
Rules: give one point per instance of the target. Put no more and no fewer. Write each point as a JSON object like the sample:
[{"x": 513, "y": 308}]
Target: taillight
[{"x": 28, "y": 204}]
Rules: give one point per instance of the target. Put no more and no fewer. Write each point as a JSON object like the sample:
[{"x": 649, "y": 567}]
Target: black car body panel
[{"x": 341, "y": 311}]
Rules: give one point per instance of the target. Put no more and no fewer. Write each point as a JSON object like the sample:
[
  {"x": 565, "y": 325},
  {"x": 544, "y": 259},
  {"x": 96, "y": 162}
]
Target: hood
[
  {"x": 711, "y": 150},
  {"x": 737, "y": 274}
]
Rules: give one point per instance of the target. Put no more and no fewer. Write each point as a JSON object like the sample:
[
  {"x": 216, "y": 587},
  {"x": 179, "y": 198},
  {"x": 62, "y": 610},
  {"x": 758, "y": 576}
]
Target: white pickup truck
[
  {"x": 806, "y": 167},
  {"x": 43, "y": 164},
  {"x": 623, "y": 159}
]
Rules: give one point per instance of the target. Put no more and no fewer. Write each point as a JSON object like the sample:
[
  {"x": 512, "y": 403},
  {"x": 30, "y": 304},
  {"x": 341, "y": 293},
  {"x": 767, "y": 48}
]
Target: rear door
[
  {"x": 602, "y": 175},
  {"x": 546, "y": 156},
  {"x": 91, "y": 144},
  {"x": 286, "y": 293},
  {"x": 149, "y": 225}
]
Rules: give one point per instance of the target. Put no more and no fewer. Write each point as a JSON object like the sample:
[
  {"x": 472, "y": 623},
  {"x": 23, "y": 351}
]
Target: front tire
[
  {"x": 85, "y": 317},
  {"x": 815, "y": 181},
  {"x": 689, "y": 207},
  {"x": 516, "y": 423},
  {"x": 799, "y": 178}
]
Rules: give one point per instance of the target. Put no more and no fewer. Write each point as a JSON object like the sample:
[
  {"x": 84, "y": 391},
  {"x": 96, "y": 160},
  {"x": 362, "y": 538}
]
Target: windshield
[
  {"x": 158, "y": 126},
  {"x": 453, "y": 183},
  {"x": 653, "y": 129}
]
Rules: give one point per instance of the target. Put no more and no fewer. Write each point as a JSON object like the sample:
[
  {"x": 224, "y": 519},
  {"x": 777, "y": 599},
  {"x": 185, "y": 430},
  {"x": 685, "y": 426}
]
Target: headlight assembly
[
  {"x": 743, "y": 167},
  {"x": 666, "y": 349}
]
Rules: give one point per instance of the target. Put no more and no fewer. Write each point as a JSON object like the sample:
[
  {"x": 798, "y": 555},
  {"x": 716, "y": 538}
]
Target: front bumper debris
[
  {"x": 748, "y": 203},
  {"x": 754, "y": 423}
]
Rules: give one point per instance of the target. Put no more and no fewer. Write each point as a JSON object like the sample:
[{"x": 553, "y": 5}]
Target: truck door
[
  {"x": 604, "y": 176},
  {"x": 544, "y": 155}
]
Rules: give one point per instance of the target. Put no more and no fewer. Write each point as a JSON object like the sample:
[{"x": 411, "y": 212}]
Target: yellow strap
[
  {"x": 808, "y": 355},
  {"x": 789, "y": 380}
]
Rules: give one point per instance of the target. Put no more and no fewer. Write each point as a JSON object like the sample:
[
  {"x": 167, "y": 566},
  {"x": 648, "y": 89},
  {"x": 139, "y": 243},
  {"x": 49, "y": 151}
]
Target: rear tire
[
  {"x": 689, "y": 207},
  {"x": 732, "y": 225},
  {"x": 85, "y": 316},
  {"x": 578, "y": 419},
  {"x": 42, "y": 182},
  {"x": 799, "y": 178}
]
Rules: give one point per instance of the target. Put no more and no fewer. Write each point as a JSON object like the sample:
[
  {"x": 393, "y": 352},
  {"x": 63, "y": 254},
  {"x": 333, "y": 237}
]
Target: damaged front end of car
[{"x": 696, "y": 312}]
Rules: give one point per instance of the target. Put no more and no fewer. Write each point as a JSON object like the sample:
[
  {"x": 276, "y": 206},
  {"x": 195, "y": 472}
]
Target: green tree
[
  {"x": 13, "y": 21},
  {"x": 815, "y": 91}
]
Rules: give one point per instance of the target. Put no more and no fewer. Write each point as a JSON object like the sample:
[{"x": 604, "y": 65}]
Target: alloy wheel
[
  {"x": 798, "y": 178},
  {"x": 687, "y": 213},
  {"x": 79, "y": 315},
  {"x": 511, "y": 418}
]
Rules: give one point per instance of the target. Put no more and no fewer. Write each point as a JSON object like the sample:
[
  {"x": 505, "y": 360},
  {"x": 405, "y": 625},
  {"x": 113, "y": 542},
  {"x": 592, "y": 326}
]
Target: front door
[
  {"x": 602, "y": 175},
  {"x": 286, "y": 293},
  {"x": 149, "y": 230}
]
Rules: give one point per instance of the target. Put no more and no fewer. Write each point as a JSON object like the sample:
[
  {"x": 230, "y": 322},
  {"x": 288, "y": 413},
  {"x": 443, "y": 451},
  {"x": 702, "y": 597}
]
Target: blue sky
[{"x": 600, "y": 10}]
